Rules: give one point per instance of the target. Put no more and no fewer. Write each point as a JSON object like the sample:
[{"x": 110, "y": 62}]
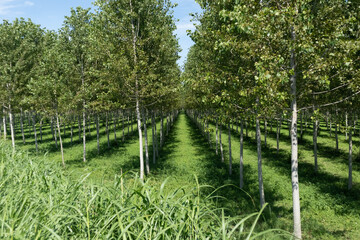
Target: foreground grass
[{"x": 37, "y": 201}]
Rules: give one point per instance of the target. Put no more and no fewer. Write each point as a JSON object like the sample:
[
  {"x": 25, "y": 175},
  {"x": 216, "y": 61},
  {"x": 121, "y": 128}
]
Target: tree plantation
[{"x": 103, "y": 136}]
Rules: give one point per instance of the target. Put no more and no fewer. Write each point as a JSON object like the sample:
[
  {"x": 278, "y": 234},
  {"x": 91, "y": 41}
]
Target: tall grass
[{"x": 37, "y": 201}]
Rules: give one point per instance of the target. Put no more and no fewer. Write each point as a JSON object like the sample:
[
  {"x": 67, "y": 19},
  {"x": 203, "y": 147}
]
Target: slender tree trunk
[
  {"x": 336, "y": 131},
  {"x": 241, "y": 155},
  {"x": 128, "y": 124},
  {"x": 114, "y": 119},
  {"x": 71, "y": 131},
  {"x": 301, "y": 125},
  {"x": 153, "y": 138},
  {"x": 55, "y": 136},
  {"x": 147, "y": 164},
  {"x": 12, "y": 127},
  {"x": 123, "y": 127},
  {"x": 294, "y": 149},
  {"x": 41, "y": 121},
  {"x": 52, "y": 127},
  {"x": 346, "y": 126},
  {"x": 156, "y": 138},
  {"x": 350, "y": 159},
  {"x": 22, "y": 125},
  {"x": 79, "y": 126},
  {"x": 217, "y": 137},
  {"x": 167, "y": 125},
  {"x": 137, "y": 97},
  {"x": 61, "y": 143},
  {"x": 260, "y": 175},
  {"x": 278, "y": 129},
  {"x": 34, "y": 127},
  {"x": 315, "y": 143},
  {"x": 221, "y": 146},
  {"x": 4, "y": 122},
  {"x": 107, "y": 129},
  {"x": 161, "y": 130},
  {"x": 230, "y": 155},
  {"x": 84, "y": 133},
  {"x": 97, "y": 133}
]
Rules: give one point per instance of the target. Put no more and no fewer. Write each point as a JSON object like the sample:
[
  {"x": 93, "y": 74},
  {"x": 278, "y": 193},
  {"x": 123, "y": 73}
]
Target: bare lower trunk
[
  {"x": 146, "y": 146},
  {"x": 114, "y": 119},
  {"x": 34, "y": 127},
  {"x": 84, "y": 134},
  {"x": 22, "y": 126},
  {"x": 4, "y": 123},
  {"x": 265, "y": 132},
  {"x": 79, "y": 126},
  {"x": 41, "y": 130},
  {"x": 61, "y": 144},
  {"x": 346, "y": 126},
  {"x": 107, "y": 129},
  {"x": 350, "y": 159},
  {"x": 97, "y": 133},
  {"x": 221, "y": 146},
  {"x": 230, "y": 156},
  {"x": 278, "y": 135},
  {"x": 71, "y": 132},
  {"x": 12, "y": 127},
  {"x": 156, "y": 138},
  {"x": 161, "y": 130},
  {"x": 260, "y": 175},
  {"x": 153, "y": 137},
  {"x": 55, "y": 136},
  {"x": 336, "y": 132},
  {"x": 315, "y": 144},
  {"x": 217, "y": 138},
  {"x": 241, "y": 155},
  {"x": 123, "y": 127},
  {"x": 294, "y": 150}
]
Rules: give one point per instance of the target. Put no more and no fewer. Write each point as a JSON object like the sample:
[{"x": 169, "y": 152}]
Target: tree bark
[
  {"x": 217, "y": 137},
  {"x": 12, "y": 127},
  {"x": 294, "y": 149},
  {"x": 350, "y": 158},
  {"x": 221, "y": 146},
  {"x": 153, "y": 138},
  {"x": 97, "y": 133},
  {"x": 147, "y": 164},
  {"x": 230, "y": 155},
  {"x": 61, "y": 144},
  {"x": 260, "y": 176},
  {"x": 161, "y": 130},
  {"x": 114, "y": 119},
  {"x": 107, "y": 129},
  {"x": 315, "y": 143},
  {"x": 22, "y": 125},
  {"x": 34, "y": 127},
  {"x": 241, "y": 155}
]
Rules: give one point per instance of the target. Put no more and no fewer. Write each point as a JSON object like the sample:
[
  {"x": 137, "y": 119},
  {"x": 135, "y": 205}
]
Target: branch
[
  {"x": 329, "y": 104},
  {"x": 327, "y": 91}
]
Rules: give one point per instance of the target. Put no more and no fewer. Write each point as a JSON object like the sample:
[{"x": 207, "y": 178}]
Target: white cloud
[
  {"x": 28, "y": 3},
  {"x": 8, "y": 6}
]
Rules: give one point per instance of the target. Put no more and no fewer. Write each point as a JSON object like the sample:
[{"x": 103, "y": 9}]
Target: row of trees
[
  {"x": 271, "y": 60},
  {"x": 120, "y": 58}
]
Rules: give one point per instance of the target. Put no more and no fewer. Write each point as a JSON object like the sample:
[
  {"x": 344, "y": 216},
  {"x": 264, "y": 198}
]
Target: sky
[{"x": 50, "y": 15}]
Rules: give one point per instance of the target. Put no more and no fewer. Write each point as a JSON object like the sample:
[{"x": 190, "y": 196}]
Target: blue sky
[{"x": 50, "y": 14}]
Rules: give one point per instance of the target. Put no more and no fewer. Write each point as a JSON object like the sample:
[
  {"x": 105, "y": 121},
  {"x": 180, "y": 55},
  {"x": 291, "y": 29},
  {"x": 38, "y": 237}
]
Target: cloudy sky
[{"x": 50, "y": 14}]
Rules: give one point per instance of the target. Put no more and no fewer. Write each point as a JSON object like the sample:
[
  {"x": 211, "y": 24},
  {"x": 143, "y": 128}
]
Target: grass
[
  {"x": 37, "y": 201},
  {"x": 329, "y": 210}
]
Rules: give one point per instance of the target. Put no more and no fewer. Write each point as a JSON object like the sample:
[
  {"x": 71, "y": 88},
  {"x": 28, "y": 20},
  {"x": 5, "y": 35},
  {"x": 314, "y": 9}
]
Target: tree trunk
[
  {"x": 71, "y": 131},
  {"x": 315, "y": 143},
  {"x": 230, "y": 156},
  {"x": 107, "y": 129},
  {"x": 336, "y": 131},
  {"x": 278, "y": 129},
  {"x": 55, "y": 136},
  {"x": 52, "y": 127},
  {"x": 265, "y": 132},
  {"x": 12, "y": 127},
  {"x": 350, "y": 159},
  {"x": 41, "y": 121},
  {"x": 221, "y": 146},
  {"x": 4, "y": 122},
  {"x": 146, "y": 145},
  {"x": 346, "y": 126},
  {"x": 128, "y": 124},
  {"x": 61, "y": 144},
  {"x": 123, "y": 126},
  {"x": 34, "y": 127},
  {"x": 161, "y": 130},
  {"x": 22, "y": 125},
  {"x": 97, "y": 133},
  {"x": 260, "y": 176},
  {"x": 84, "y": 134},
  {"x": 156, "y": 138},
  {"x": 294, "y": 150},
  {"x": 153, "y": 138},
  {"x": 114, "y": 119},
  {"x": 217, "y": 137},
  {"x": 241, "y": 155}
]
